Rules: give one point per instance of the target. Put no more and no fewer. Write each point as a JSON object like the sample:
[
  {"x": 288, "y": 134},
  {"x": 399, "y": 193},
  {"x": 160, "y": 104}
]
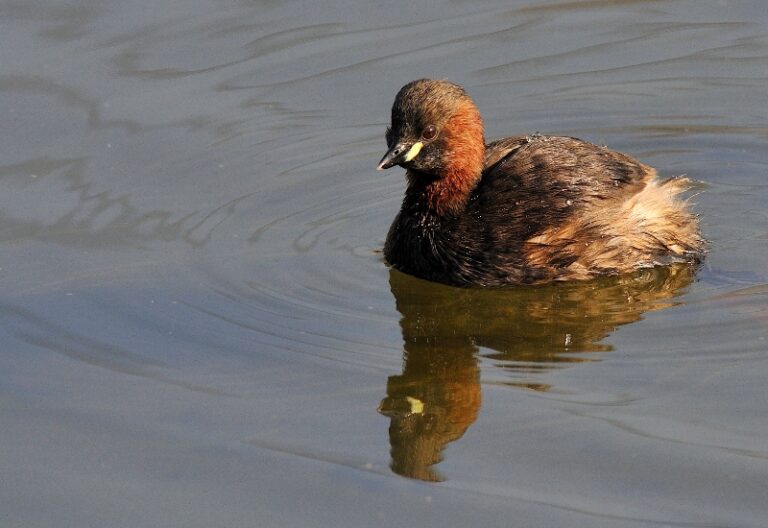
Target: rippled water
[{"x": 198, "y": 328}]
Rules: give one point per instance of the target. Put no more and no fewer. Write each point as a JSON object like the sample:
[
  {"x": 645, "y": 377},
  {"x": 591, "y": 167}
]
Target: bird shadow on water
[{"x": 524, "y": 330}]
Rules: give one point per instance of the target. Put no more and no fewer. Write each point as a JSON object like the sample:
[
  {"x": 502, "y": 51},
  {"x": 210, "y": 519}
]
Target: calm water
[{"x": 198, "y": 329}]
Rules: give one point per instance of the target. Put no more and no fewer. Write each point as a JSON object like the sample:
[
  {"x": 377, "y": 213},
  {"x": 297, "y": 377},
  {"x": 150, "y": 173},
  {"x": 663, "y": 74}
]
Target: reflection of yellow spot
[
  {"x": 417, "y": 406},
  {"x": 415, "y": 149}
]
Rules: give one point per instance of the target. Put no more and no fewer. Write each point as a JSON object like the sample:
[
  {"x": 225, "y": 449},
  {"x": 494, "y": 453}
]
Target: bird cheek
[
  {"x": 426, "y": 162},
  {"x": 433, "y": 158}
]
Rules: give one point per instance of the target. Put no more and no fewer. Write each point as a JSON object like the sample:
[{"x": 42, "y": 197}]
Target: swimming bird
[{"x": 523, "y": 209}]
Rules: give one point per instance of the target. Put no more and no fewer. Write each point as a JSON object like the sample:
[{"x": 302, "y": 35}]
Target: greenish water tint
[
  {"x": 525, "y": 331},
  {"x": 198, "y": 329}
]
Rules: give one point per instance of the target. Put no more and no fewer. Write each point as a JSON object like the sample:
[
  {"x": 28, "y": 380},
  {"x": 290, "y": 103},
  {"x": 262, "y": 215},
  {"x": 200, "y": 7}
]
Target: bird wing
[
  {"x": 567, "y": 167},
  {"x": 499, "y": 149}
]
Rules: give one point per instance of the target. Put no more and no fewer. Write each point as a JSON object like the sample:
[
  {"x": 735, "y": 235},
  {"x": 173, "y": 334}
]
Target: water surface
[{"x": 198, "y": 328}]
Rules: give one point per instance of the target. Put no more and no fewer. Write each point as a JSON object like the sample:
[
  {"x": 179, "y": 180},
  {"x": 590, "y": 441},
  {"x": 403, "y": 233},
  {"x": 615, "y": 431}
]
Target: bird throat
[{"x": 445, "y": 195}]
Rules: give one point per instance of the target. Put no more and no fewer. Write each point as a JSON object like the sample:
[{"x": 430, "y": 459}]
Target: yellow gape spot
[
  {"x": 417, "y": 406},
  {"x": 415, "y": 149}
]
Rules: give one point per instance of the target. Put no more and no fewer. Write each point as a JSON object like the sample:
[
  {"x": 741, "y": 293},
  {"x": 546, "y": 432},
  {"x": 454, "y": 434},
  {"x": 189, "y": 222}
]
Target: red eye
[{"x": 429, "y": 132}]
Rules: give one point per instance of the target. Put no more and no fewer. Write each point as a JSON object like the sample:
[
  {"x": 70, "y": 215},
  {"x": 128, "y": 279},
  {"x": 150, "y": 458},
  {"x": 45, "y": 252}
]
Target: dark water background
[{"x": 197, "y": 327}]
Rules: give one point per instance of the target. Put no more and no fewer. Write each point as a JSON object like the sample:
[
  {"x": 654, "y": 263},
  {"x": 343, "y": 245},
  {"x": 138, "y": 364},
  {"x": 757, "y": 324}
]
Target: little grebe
[{"x": 524, "y": 209}]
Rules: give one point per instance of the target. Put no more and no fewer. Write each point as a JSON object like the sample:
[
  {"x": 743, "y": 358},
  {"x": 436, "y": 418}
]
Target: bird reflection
[{"x": 524, "y": 330}]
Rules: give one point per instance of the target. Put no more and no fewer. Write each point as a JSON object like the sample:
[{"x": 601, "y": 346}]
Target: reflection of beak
[
  {"x": 400, "y": 153},
  {"x": 397, "y": 406}
]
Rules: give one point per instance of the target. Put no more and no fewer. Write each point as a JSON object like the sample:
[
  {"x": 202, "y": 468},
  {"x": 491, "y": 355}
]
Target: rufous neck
[{"x": 462, "y": 168}]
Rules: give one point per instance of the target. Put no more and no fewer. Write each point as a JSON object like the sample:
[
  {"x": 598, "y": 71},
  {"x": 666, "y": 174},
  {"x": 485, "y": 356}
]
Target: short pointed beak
[
  {"x": 401, "y": 153},
  {"x": 394, "y": 156}
]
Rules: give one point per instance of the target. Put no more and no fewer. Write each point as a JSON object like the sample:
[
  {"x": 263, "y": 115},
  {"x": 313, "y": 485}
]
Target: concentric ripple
[{"x": 199, "y": 328}]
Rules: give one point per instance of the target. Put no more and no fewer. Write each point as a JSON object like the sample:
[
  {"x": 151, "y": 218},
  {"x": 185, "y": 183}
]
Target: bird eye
[{"x": 429, "y": 132}]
